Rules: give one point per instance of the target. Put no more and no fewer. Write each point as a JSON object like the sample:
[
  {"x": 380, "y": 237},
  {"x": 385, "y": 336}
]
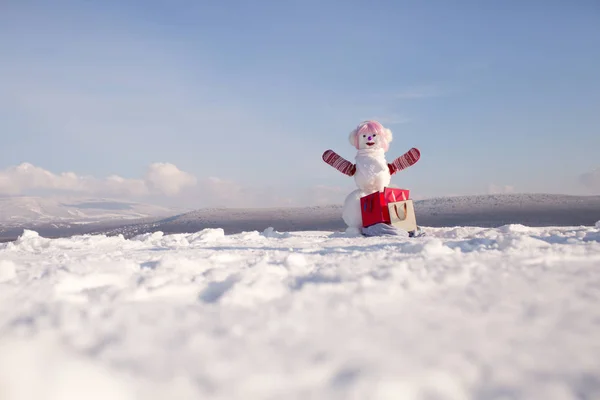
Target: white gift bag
[{"x": 402, "y": 215}]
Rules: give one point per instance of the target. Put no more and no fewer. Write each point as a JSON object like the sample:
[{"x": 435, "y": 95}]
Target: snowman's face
[{"x": 370, "y": 141}]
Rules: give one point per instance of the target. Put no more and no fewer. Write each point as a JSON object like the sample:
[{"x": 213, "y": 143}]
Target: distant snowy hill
[
  {"x": 235, "y": 220},
  {"x": 496, "y": 210},
  {"x": 16, "y": 211},
  {"x": 508, "y": 202},
  {"x": 483, "y": 211},
  {"x": 56, "y": 218}
]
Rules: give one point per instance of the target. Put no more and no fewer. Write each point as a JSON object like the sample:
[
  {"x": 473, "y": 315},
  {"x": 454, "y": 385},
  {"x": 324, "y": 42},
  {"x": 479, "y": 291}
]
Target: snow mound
[
  {"x": 207, "y": 236},
  {"x": 514, "y": 228},
  {"x": 158, "y": 238},
  {"x": 460, "y": 313},
  {"x": 270, "y": 232},
  {"x": 31, "y": 241}
]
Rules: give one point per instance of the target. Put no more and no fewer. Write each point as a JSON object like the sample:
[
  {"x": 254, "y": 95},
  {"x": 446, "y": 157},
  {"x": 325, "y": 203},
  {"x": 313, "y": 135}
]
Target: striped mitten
[
  {"x": 404, "y": 161},
  {"x": 339, "y": 163}
]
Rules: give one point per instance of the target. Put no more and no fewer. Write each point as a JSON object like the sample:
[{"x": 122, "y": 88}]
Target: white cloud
[
  {"x": 161, "y": 179},
  {"x": 165, "y": 184},
  {"x": 118, "y": 185},
  {"x": 500, "y": 189},
  {"x": 591, "y": 180},
  {"x": 168, "y": 179}
]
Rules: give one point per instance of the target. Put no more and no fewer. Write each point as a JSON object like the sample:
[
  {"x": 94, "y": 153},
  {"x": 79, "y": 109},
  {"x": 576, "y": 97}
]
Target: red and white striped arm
[
  {"x": 404, "y": 161},
  {"x": 339, "y": 163}
]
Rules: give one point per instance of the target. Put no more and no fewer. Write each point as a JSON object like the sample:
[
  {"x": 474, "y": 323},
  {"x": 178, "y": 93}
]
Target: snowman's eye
[
  {"x": 374, "y": 135},
  {"x": 364, "y": 135}
]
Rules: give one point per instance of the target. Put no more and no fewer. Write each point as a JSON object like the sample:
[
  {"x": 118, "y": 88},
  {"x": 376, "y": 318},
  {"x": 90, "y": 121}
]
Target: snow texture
[{"x": 462, "y": 313}]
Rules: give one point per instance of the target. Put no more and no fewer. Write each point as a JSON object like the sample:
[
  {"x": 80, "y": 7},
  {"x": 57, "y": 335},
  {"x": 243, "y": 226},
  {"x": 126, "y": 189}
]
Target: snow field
[{"x": 463, "y": 313}]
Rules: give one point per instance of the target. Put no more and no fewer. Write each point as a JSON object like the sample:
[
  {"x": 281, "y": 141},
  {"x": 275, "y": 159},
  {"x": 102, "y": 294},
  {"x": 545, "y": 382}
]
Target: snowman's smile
[{"x": 370, "y": 143}]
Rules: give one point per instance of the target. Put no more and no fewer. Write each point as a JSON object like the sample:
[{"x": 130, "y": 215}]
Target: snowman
[{"x": 371, "y": 172}]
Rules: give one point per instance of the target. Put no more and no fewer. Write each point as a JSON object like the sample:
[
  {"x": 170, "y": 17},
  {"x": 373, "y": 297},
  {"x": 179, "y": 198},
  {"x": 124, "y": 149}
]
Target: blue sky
[{"x": 244, "y": 97}]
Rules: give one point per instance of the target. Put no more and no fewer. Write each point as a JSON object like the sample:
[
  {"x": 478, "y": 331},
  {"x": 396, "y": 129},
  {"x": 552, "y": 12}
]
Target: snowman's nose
[{"x": 370, "y": 138}]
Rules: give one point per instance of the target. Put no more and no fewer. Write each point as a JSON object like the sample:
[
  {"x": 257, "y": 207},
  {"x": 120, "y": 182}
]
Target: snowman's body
[{"x": 372, "y": 170}]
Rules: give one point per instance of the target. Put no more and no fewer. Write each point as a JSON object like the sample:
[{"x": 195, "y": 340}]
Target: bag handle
[
  {"x": 394, "y": 198},
  {"x": 398, "y": 214}
]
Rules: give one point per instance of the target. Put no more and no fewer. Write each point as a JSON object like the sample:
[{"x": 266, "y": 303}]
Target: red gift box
[{"x": 374, "y": 207}]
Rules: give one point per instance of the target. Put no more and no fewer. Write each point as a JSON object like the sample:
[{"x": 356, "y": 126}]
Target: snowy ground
[{"x": 464, "y": 313}]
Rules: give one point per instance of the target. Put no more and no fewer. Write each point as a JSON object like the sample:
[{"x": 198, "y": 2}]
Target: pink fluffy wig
[{"x": 370, "y": 127}]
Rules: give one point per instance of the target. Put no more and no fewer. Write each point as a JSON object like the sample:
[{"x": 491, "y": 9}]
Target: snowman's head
[{"x": 371, "y": 135}]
